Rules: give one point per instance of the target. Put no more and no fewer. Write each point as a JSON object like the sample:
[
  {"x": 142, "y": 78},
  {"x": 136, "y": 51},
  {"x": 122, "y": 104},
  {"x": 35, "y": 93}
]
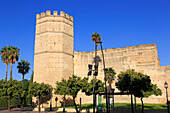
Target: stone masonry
[
  {"x": 54, "y": 58},
  {"x": 142, "y": 58}
]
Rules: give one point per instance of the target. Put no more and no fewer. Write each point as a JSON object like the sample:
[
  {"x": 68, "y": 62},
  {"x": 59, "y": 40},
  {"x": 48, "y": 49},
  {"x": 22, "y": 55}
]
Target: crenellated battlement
[
  {"x": 55, "y": 14},
  {"x": 128, "y": 48}
]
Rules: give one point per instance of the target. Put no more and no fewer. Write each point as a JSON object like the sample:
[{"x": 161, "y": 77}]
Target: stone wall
[
  {"x": 142, "y": 58},
  {"x": 53, "y": 57}
]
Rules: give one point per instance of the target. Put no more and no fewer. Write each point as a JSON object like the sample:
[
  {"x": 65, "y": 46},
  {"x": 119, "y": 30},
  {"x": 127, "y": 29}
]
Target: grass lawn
[{"x": 128, "y": 105}]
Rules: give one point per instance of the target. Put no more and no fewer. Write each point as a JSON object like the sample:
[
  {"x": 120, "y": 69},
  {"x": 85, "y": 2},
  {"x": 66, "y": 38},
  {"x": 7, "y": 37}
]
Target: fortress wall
[
  {"x": 40, "y": 43},
  {"x": 53, "y": 57},
  {"x": 167, "y": 70},
  {"x": 40, "y": 67},
  {"x": 142, "y": 58},
  {"x": 67, "y": 66},
  {"x": 166, "y": 77}
]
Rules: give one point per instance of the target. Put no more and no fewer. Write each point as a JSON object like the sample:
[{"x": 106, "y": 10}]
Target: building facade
[{"x": 55, "y": 59}]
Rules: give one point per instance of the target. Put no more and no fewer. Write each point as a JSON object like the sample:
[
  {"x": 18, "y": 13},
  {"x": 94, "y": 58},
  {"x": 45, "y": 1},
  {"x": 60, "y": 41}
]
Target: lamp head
[
  {"x": 98, "y": 40},
  {"x": 166, "y": 85}
]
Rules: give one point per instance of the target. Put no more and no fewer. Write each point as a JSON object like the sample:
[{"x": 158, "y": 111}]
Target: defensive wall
[
  {"x": 53, "y": 55},
  {"x": 142, "y": 58},
  {"x": 55, "y": 59}
]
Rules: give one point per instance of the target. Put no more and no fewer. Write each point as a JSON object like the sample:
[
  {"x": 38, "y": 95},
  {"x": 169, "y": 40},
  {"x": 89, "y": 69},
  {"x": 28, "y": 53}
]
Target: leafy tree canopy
[
  {"x": 5, "y": 55},
  {"x": 110, "y": 73},
  {"x": 23, "y": 67},
  {"x": 62, "y": 87},
  {"x": 146, "y": 90},
  {"x": 125, "y": 80},
  {"x": 26, "y": 84},
  {"x": 10, "y": 89},
  {"x": 13, "y": 54},
  {"x": 41, "y": 90},
  {"x": 75, "y": 84},
  {"x": 98, "y": 87},
  {"x": 95, "y": 37}
]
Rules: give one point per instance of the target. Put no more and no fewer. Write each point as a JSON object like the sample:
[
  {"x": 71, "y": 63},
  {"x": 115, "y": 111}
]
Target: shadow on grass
[{"x": 126, "y": 106}]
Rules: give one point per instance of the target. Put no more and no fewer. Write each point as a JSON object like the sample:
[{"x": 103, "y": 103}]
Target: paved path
[{"x": 29, "y": 110}]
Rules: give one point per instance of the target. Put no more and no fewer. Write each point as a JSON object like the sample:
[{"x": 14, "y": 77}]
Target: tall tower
[{"x": 53, "y": 56}]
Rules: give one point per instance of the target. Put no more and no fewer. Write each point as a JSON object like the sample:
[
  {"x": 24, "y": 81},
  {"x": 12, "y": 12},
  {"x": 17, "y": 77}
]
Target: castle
[{"x": 54, "y": 57}]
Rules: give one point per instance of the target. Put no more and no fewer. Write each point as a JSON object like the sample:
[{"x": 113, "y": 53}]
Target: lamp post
[
  {"x": 166, "y": 87},
  {"x": 50, "y": 100},
  {"x": 94, "y": 99},
  {"x": 89, "y": 74},
  {"x": 110, "y": 90},
  {"x": 104, "y": 75}
]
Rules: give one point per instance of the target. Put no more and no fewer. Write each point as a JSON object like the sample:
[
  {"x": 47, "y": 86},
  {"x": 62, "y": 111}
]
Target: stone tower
[{"x": 53, "y": 55}]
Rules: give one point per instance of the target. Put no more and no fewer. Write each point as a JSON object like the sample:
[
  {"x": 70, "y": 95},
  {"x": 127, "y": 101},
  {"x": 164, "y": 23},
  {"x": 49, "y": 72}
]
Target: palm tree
[
  {"x": 95, "y": 37},
  {"x": 23, "y": 68},
  {"x": 13, "y": 57},
  {"x": 110, "y": 73},
  {"x": 5, "y": 58}
]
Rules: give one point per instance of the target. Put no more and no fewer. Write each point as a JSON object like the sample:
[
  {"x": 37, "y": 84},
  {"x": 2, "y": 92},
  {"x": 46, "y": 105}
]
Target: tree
[
  {"x": 40, "y": 90},
  {"x": 5, "y": 58},
  {"x": 125, "y": 83},
  {"x": 10, "y": 89},
  {"x": 25, "y": 89},
  {"x": 110, "y": 73},
  {"x": 144, "y": 88},
  {"x": 23, "y": 68},
  {"x": 98, "y": 86},
  {"x": 75, "y": 84},
  {"x": 62, "y": 89},
  {"x": 30, "y": 83},
  {"x": 95, "y": 37},
  {"x": 13, "y": 57},
  {"x": 138, "y": 84}
]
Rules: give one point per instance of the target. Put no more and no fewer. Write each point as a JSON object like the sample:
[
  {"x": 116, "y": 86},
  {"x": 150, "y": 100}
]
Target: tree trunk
[
  {"x": 9, "y": 109},
  {"x": 11, "y": 72},
  {"x": 22, "y": 90},
  {"x": 142, "y": 104},
  {"x": 75, "y": 105},
  {"x": 39, "y": 104},
  {"x": 23, "y": 82},
  {"x": 135, "y": 104},
  {"x": 132, "y": 104},
  {"x": 64, "y": 104},
  {"x": 6, "y": 72},
  {"x": 110, "y": 87}
]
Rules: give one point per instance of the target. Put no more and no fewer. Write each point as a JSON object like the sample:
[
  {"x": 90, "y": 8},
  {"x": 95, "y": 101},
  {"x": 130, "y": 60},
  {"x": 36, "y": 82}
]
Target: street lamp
[
  {"x": 50, "y": 100},
  {"x": 94, "y": 74},
  {"x": 104, "y": 75},
  {"x": 112, "y": 91},
  {"x": 166, "y": 87}
]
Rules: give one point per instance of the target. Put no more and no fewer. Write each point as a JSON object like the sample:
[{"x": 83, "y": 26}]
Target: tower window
[{"x": 54, "y": 43}]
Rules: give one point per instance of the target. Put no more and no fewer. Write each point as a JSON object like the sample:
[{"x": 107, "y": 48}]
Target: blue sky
[{"x": 120, "y": 22}]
